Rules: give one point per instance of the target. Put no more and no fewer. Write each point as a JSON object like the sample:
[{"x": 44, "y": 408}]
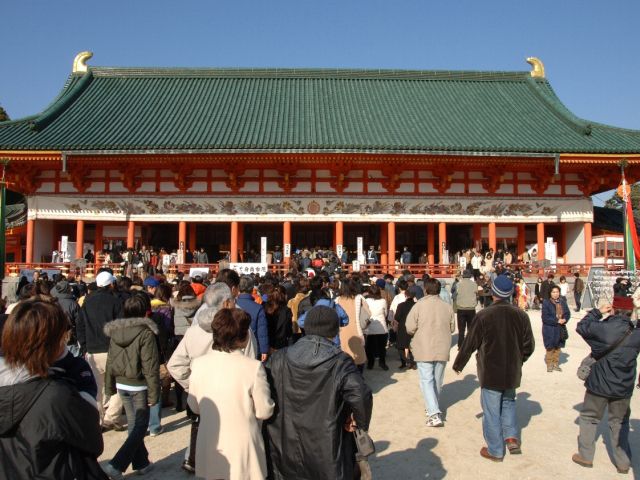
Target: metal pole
[{"x": 3, "y": 219}]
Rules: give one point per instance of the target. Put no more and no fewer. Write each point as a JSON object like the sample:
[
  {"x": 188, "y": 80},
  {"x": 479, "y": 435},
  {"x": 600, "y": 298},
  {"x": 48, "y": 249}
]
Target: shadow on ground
[
  {"x": 377, "y": 378},
  {"x": 457, "y": 391},
  {"x": 413, "y": 463}
]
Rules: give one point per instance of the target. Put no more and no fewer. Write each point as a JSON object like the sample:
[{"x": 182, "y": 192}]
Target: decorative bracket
[
  {"x": 23, "y": 177},
  {"x": 181, "y": 175},
  {"x": 339, "y": 172},
  {"x": 78, "y": 173},
  {"x": 130, "y": 176},
  {"x": 492, "y": 181},
  {"x": 234, "y": 171},
  {"x": 541, "y": 182},
  {"x": 288, "y": 169},
  {"x": 442, "y": 180},
  {"x": 392, "y": 177}
]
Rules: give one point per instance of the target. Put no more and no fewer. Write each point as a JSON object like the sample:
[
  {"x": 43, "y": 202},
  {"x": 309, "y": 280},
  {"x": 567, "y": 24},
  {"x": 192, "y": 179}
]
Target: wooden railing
[{"x": 438, "y": 270}]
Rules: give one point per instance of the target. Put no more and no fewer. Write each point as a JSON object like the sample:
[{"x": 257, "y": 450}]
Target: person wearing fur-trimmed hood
[{"x": 133, "y": 368}]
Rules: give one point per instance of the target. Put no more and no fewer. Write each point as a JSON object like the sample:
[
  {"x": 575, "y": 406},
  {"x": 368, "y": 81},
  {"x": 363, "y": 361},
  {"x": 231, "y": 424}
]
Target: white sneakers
[{"x": 435, "y": 421}]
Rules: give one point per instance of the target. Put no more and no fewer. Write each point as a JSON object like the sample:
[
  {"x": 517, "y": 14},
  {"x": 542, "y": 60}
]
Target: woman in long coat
[
  {"x": 351, "y": 335},
  {"x": 403, "y": 339},
  {"x": 231, "y": 408},
  {"x": 555, "y": 315}
]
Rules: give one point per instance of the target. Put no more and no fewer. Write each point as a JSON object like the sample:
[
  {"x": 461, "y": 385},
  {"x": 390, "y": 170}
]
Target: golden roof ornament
[
  {"x": 80, "y": 62},
  {"x": 538, "y": 67}
]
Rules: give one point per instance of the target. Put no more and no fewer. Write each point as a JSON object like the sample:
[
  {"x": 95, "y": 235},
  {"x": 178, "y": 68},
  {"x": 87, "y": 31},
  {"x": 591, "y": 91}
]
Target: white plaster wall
[
  {"x": 575, "y": 242},
  {"x": 42, "y": 239}
]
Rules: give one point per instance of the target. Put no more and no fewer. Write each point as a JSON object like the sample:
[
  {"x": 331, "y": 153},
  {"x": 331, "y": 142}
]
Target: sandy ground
[{"x": 407, "y": 449}]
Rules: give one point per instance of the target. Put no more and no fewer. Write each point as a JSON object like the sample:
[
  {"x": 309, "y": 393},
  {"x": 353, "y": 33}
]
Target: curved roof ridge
[
  {"x": 69, "y": 94},
  {"x": 550, "y": 98},
  {"x": 334, "y": 73}
]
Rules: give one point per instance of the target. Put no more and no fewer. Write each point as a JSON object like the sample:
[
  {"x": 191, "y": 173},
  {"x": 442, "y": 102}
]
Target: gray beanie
[{"x": 322, "y": 321}]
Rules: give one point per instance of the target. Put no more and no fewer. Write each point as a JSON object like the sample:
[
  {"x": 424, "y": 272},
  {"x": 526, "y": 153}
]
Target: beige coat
[
  {"x": 431, "y": 322},
  {"x": 351, "y": 336},
  {"x": 233, "y": 397}
]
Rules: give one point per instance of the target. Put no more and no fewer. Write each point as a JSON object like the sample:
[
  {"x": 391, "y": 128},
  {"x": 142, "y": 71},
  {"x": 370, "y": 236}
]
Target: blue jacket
[
  {"x": 343, "y": 317},
  {"x": 550, "y": 325},
  {"x": 614, "y": 375},
  {"x": 258, "y": 320}
]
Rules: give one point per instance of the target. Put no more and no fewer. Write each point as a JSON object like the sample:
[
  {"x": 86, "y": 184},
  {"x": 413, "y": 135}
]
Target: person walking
[
  {"x": 230, "y": 444},
  {"x": 377, "y": 333},
  {"x": 98, "y": 309},
  {"x": 403, "y": 339},
  {"x": 555, "y": 315},
  {"x": 615, "y": 345},
  {"x": 578, "y": 288},
  {"x": 133, "y": 369},
  {"x": 501, "y": 333},
  {"x": 259, "y": 325},
  {"x": 352, "y": 335},
  {"x": 466, "y": 303},
  {"x": 431, "y": 323},
  {"x": 318, "y": 391}
]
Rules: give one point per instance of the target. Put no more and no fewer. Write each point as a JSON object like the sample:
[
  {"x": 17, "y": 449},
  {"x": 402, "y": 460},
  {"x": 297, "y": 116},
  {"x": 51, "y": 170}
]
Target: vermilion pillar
[
  {"x": 431, "y": 241},
  {"x": 563, "y": 242},
  {"x": 477, "y": 234},
  {"x": 442, "y": 240},
  {"x": 522, "y": 246},
  {"x": 286, "y": 239},
  {"x": 99, "y": 241},
  {"x": 182, "y": 234},
  {"x": 131, "y": 234},
  {"x": 540, "y": 238},
  {"x": 240, "y": 242},
  {"x": 493, "y": 243},
  {"x": 384, "y": 244},
  {"x": 391, "y": 242},
  {"x": 339, "y": 236},
  {"x": 79, "y": 238},
  {"x": 31, "y": 225},
  {"x": 234, "y": 242},
  {"x": 192, "y": 236},
  {"x": 588, "y": 258}
]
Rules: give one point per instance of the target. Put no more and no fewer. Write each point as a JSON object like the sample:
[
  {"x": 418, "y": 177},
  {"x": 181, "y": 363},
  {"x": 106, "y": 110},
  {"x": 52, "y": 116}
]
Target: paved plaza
[{"x": 409, "y": 450}]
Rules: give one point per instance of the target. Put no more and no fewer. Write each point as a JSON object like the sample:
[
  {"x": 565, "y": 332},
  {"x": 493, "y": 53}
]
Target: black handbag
[
  {"x": 364, "y": 444},
  {"x": 564, "y": 333}
]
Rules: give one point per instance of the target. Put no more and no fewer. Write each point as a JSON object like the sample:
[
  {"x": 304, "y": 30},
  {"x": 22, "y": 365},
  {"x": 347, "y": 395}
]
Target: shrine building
[{"x": 434, "y": 160}]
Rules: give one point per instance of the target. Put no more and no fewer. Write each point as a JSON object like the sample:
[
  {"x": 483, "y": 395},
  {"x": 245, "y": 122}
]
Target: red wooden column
[
  {"x": 99, "y": 240},
  {"x": 233, "y": 254},
  {"x": 384, "y": 244},
  {"x": 391, "y": 243},
  {"x": 182, "y": 234},
  {"x": 31, "y": 225},
  {"x": 562, "y": 244},
  {"x": 477, "y": 234},
  {"x": 493, "y": 243},
  {"x": 588, "y": 253},
  {"x": 442, "y": 239},
  {"x": 286, "y": 239},
  {"x": 540, "y": 238},
  {"x": 192, "y": 236},
  {"x": 131, "y": 233},
  {"x": 79, "y": 238},
  {"x": 522, "y": 246},
  {"x": 240, "y": 242},
  {"x": 339, "y": 236},
  {"x": 431, "y": 242}
]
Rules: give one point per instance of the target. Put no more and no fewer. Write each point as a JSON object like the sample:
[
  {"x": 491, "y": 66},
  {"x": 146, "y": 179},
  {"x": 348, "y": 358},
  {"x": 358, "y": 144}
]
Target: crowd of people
[{"x": 289, "y": 355}]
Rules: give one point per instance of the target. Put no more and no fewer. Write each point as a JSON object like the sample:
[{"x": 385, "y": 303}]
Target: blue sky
[{"x": 590, "y": 48}]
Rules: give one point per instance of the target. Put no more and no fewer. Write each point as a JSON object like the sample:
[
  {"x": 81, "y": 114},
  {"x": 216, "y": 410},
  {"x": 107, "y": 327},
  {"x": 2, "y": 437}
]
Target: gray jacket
[
  {"x": 467, "y": 296},
  {"x": 183, "y": 313}
]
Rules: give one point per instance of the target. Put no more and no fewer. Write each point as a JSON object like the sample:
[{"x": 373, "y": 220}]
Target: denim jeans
[
  {"x": 498, "y": 419},
  {"x": 431, "y": 378},
  {"x": 133, "y": 450},
  {"x": 155, "y": 414}
]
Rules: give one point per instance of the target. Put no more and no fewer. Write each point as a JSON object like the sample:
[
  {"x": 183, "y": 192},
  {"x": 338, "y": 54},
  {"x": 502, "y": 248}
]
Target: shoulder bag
[{"x": 584, "y": 370}]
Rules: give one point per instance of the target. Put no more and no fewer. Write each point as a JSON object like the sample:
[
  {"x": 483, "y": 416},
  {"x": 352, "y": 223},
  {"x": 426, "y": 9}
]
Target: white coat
[{"x": 232, "y": 396}]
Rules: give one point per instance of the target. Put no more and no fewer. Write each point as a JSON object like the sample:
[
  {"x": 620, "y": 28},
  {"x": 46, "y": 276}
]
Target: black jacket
[
  {"x": 280, "y": 327},
  {"x": 47, "y": 431},
  {"x": 501, "y": 333},
  {"x": 70, "y": 306},
  {"x": 100, "y": 307},
  {"x": 315, "y": 386},
  {"x": 614, "y": 375}
]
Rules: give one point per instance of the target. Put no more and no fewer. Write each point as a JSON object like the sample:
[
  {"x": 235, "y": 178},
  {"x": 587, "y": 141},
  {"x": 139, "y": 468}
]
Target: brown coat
[
  {"x": 431, "y": 322},
  {"x": 351, "y": 337}
]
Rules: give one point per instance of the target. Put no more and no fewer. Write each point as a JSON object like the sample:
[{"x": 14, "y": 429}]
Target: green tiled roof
[{"x": 312, "y": 110}]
